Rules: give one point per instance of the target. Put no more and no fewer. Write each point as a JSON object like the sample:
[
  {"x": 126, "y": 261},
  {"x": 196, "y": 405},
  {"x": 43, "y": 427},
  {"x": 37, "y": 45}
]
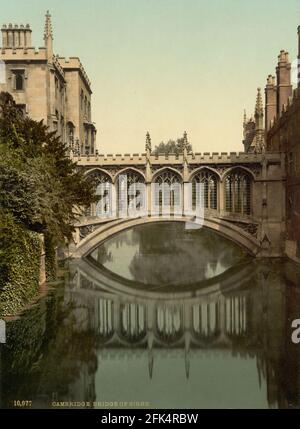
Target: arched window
[
  {"x": 205, "y": 183},
  {"x": 131, "y": 193},
  {"x": 238, "y": 192},
  {"x": 167, "y": 196},
  {"x": 103, "y": 206}
]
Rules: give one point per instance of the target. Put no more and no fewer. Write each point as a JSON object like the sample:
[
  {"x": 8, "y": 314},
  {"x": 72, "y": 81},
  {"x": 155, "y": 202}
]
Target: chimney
[
  {"x": 16, "y": 37},
  {"x": 284, "y": 87},
  {"x": 270, "y": 101}
]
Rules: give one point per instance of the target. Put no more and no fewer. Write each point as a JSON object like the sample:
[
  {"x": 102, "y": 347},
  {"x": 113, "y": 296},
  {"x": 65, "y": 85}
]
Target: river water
[{"x": 159, "y": 316}]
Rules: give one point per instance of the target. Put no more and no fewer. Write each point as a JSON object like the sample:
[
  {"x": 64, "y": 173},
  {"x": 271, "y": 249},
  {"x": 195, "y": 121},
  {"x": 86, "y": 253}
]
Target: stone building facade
[
  {"x": 275, "y": 129},
  {"x": 283, "y": 135},
  {"x": 48, "y": 87}
]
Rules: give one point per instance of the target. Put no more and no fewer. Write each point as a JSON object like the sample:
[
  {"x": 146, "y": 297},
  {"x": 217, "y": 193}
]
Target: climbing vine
[{"x": 20, "y": 252}]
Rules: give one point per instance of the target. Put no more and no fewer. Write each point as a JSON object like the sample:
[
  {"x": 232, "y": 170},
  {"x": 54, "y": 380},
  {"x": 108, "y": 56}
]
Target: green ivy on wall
[{"x": 20, "y": 252}]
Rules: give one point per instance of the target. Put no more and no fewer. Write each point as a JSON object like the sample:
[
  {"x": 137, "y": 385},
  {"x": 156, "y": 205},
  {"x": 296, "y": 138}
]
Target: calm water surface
[{"x": 160, "y": 316}]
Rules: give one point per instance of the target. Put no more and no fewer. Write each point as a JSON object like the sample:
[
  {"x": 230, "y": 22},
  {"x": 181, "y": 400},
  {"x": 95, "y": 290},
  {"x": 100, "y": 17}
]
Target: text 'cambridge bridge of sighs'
[{"x": 242, "y": 195}]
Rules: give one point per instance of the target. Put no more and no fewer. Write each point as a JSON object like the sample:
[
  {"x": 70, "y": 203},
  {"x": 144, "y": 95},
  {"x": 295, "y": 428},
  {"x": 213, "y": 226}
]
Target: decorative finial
[
  {"x": 48, "y": 27},
  {"x": 259, "y": 102},
  {"x": 185, "y": 139},
  {"x": 148, "y": 142},
  {"x": 245, "y": 117}
]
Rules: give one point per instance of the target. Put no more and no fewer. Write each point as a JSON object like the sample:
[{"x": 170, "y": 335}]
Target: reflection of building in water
[{"x": 248, "y": 322}]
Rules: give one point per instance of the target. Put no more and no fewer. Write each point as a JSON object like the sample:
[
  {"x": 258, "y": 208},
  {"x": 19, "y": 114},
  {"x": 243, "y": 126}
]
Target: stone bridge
[{"x": 243, "y": 195}]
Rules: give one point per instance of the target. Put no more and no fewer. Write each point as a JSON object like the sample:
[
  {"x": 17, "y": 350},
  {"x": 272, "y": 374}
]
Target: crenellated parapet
[
  {"x": 23, "y": 54},
  {"x": 170, "y": 159}
]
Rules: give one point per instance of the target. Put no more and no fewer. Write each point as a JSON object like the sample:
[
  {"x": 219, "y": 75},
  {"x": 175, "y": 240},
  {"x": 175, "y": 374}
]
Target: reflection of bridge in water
[
  {"x": 218, "y": 315},
  {"x": 247, "y": 320}
]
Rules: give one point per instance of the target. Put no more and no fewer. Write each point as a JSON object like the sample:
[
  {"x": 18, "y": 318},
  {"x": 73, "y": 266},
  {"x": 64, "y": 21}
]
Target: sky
[{"x": 167, "y": 66}]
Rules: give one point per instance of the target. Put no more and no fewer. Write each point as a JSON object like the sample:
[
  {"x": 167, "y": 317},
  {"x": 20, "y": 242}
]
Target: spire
[
  {"x": 259, "y": 123},
  {"x": 259, "y": 102},
  {"x": 185, "y": 139},
  {"x": 48, "y": 36},
  {"x": 245, "y": 117},
  {"x": 48, "y": 27},
  {"x": 185, "y": 147},
  {"x": 148, "y": 142}
]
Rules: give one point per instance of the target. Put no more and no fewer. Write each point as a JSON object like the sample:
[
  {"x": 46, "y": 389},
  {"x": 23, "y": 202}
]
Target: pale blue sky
[{"x": 168, "y": 65}]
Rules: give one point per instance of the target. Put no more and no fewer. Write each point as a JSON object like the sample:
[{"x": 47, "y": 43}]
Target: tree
[
  {"x": 40, "y": 185},
  {"x": 172, "y": 147}
]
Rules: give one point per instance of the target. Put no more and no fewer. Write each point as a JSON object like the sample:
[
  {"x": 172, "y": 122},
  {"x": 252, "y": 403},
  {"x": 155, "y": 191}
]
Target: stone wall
[{"x": 284, "y": 137}]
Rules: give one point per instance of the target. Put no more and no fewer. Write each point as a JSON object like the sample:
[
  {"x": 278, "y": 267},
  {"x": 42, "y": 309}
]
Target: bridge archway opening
[
  {"x": 167, "y": 192},
  {"x": 103, "y": 183},
  {"x": 238, "y": 191},
  {"x": 131, "y": 193},
  {"x": 210, "y": 182}
]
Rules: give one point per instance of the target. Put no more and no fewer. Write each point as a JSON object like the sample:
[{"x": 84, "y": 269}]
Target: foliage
[
  {"x": 172, "y": 146},
  {"x": 50, "y": 257},
  {"x": 20, "y": 252},
  {"x": 40, "y": 184},
  {"x": 42, "y": 191}
]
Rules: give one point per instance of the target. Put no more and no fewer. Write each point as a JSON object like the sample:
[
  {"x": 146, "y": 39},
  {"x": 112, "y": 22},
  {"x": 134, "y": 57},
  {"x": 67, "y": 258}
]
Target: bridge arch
[{"x": 227, "y": 229}]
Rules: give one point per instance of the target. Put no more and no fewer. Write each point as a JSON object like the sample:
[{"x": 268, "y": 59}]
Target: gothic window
[
  {"x": 131, "y": 192},
  {"x": 205, "y": 189},
  {"x": 19, "y": 79},
  {"x": 103, "y": 185},
  {"x": 167, "y": 195},
  {"x": 238, "y": 192}
]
